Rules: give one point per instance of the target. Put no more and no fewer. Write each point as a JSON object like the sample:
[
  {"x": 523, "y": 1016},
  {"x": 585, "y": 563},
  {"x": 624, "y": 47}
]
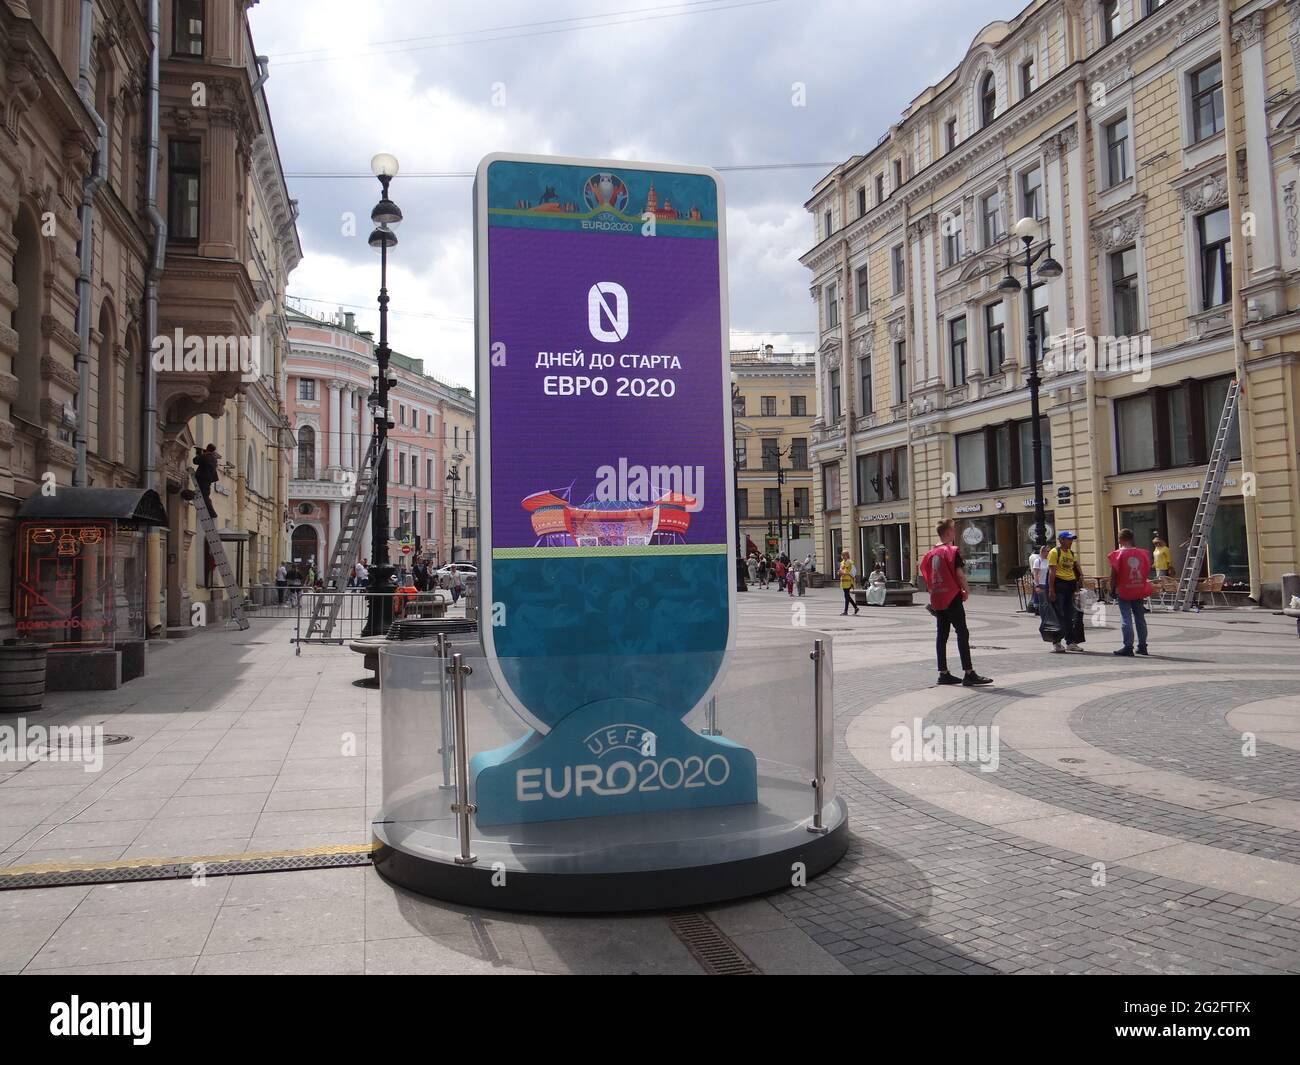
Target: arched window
[
  {"x": 306, "y": 453},
  {"x": 107, "y": 385},
  {"x": 132, "y": 412},
  {"x": 988, "y": 99},
  {"x": 26, "y": 318}
]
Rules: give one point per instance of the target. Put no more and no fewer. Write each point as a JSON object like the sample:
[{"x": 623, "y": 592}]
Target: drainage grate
[
  {"x": 1071, "y": 761},
  {"x": 718, "y": 955},
  {"x": 66, "y": 743},
  {"x": 185, "y": 868}
]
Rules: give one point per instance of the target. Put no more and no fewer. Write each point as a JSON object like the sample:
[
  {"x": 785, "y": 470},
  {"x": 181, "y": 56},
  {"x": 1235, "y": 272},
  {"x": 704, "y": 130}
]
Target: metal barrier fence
[{"x": 353, "y": 612}]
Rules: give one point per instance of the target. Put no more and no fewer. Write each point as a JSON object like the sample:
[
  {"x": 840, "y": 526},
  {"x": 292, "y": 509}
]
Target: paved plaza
[{"x": 1133, "y": 816}]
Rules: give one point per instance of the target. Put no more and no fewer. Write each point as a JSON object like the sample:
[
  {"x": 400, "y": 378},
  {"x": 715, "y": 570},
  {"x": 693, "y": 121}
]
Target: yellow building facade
[
  {"x": 1133, "y": 134},
  {"x": 773, "y": 434}
]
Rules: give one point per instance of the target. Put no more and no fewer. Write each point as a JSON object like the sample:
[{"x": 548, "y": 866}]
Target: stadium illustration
[{"x": 600, "y": 523}]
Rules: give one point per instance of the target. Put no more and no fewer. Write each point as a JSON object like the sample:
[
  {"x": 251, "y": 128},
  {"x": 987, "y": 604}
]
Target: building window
[
  {"x": 401, "y": 414},
  {"x": 950, "y": 134},
  {"x": 742, "y": 454},
  {"x": 187, "y": 28},
  {"x": 995, "y": 336},
  {"x": 972, "y": 462},
  {"x": 306, "y": 388},
  {"x": 1116, "y": 151},
  {"x": 831, "y": 486},
  {"x": 882, "y": 476},
  {"x": 740, "y": 404},
  {"x": 862, "y": 201},
  {"x": 1025, "y": 450},
  {"x": 306, "y": 453},
  {"x": 1124, "y": 292},
  {"x": 864, "y": 381},
  {"x": 900, "y": 371},
  {"x": 988, "y": 99},
  {"x": 185, "y": 159},
  {"x": 742, "y": 503},
  {"x": 1031, "y": 193},
  {"x": 1150, "y": 7},
  {"x": 802, "y": 505},
  {"x": 799, "y": 453},
  {"x": 767, "y": 406},
  {"x": 1207, "y": 101},
  {"x": 1000, "y": 457},
  {"x": 991, "y": 219},
  {"x": 832, "y": 307},
  {"x": 826, "y": 223},
  {"x": 835, "y": 394},
  {"x": 951, "y": 227},
  {"x": 957, "y": 350},
  {"x": 428, "y": 473},
  {"x": 1110, "y": 21},
  {"x": 428, "y": 423},
  {"x": 860, "y": 278},
  {"x": 455, "y": 436},
  {"x": 1212, "y": 234},
  {"x": 880, "y": 189},
  {"x": 1173, "y": 426},
  {"x": 1039, "y": 324},
  {"x": 771, "y": 502},
  {"x": 401, "y": 467},
  {"x": 1135, "y": 431},
  {"x": 771, "y": 454},
  {"x": 1028, "y": 77},
  {"x": 898, "y": 265},
  {"x": 898, "y": 173},
  {"x": 798, "y": 406}
]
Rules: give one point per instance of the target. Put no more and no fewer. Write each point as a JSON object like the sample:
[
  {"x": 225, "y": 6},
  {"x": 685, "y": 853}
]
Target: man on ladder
[{"x": 205, "y": 476}]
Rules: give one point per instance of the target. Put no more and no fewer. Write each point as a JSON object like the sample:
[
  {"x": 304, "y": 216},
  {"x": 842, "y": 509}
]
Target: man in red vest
[
  {"x": 1129, "y": 569},
  {"x": 944, "y": 574}
]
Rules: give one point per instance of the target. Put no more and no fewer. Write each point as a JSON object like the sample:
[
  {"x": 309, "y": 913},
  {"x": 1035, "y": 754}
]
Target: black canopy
[{"x": 135, "y": 505}]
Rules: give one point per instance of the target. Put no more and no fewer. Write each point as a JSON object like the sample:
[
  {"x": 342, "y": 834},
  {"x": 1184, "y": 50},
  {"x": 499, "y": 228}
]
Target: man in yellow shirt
[
  {"x": 1161, "y": 560},
  {"x": 1064, "y": 577}
]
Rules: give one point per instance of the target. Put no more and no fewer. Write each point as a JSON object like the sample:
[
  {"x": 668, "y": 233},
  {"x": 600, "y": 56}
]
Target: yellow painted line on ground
[{"x": 149, "y": 863}]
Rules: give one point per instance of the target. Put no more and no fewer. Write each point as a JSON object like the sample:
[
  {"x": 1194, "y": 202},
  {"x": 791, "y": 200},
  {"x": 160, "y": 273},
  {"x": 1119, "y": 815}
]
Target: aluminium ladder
[
  {"x": 1209, "y": 505},
  {"x": 347, "y": 545},
  {"x": 218, "y": 553}
]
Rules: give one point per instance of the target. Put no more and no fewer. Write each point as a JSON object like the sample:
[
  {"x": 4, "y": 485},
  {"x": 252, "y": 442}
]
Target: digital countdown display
[{"x": 605, "y": 475}]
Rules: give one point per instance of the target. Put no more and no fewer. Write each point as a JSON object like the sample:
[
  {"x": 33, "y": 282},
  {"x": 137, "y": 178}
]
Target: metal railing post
[
  {"x": 819, "y": 758},
  {"x": 297, "y": 626},
  {"x": 446, "y": 746},
  {"x": 462, "y": 807}
]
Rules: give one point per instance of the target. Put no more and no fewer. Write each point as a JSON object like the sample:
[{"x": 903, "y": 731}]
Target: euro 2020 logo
[{"x": 605, "y": 192}]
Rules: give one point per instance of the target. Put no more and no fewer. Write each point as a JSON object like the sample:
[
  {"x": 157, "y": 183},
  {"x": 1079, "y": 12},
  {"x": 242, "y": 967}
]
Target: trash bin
[{"x": 22, "y": 676}]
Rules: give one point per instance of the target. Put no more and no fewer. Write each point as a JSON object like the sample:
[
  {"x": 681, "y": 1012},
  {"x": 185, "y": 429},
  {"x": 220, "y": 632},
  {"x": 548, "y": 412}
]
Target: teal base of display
[{"x": 615, "y": 756}]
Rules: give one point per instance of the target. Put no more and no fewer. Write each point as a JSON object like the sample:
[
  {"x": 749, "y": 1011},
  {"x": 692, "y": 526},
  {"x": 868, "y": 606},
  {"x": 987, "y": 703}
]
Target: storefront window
[
  {"x": 1228, "y": 543},
  {"x": 975, "y": 538},
  {"x": 890, "y": 548}
]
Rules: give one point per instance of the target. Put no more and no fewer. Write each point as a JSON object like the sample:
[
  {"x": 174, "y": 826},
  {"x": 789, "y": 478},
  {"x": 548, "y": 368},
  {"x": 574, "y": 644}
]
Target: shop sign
[
  {"x": 1181, "y": 486},
  {"x": 64, "y": 594},
  {"x": 881, "y": 517},
  {"x": 969, "y": 508}
]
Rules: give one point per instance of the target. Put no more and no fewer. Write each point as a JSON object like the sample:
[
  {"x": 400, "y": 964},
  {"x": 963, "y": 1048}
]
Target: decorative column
[
  {"x": 1264, "y": 257},
  {"x": 335, "y": 429},
  {"x": 335, "y": 525}
]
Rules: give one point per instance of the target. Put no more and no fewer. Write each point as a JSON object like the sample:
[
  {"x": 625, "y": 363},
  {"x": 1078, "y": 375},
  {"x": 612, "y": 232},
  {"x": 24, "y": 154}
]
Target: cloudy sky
[{"x": 441, "y": 83}]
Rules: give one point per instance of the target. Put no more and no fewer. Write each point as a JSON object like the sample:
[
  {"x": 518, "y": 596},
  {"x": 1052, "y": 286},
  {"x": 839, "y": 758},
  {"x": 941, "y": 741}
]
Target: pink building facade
[{"x": 330, "y": 368}]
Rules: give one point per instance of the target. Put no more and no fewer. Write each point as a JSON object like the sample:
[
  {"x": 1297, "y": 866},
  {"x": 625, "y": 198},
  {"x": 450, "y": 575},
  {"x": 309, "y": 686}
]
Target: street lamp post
[
  {"x": 737, "y": 409},
  {"x": 1027, "y": 229},
  {"x": 453, "y": 479},
  {"x": 385, "y": 216}
]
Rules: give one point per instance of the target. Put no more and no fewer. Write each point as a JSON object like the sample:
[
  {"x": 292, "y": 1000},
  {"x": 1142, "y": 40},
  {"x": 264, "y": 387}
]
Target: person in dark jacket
[{"x": 206, "y": 474}]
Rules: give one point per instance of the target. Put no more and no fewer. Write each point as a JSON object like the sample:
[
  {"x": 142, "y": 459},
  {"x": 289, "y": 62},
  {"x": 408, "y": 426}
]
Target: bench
[{"x": 896, "y": 594}]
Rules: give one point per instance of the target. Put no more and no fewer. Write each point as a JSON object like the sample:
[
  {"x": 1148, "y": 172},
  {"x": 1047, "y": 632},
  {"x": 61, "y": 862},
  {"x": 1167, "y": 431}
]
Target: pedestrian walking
[
  {"x": 780, "y": 574},
  {"x": 1038, "y": 578},
  {"x": 1064, "y": 578},
  {"x": 1129, "y": 571},
  {"x": 847, "y": 575},
  {"x": 753, "y": 569},
  {"x": 457, "y": 586},
  {"x": 944, "y": 573},
  {"x": 764, "y": 569},
  {"x": 281, "y": 579}
]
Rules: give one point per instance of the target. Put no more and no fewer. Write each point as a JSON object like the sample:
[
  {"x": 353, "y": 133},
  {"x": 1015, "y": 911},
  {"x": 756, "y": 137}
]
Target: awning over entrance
[{"x": 129, "y": 505}]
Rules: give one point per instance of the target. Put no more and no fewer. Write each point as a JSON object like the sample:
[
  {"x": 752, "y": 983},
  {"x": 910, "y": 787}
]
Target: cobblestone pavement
[{"x": 1141, "y": 816}]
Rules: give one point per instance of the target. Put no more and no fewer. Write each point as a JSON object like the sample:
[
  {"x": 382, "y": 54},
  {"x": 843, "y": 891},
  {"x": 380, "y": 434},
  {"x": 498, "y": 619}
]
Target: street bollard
[
  {"x": 462, "y": 807},
  {"x": 819, "y": 762}
]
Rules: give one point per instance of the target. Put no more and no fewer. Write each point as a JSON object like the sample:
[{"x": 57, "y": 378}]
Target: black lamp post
[
  {"x": 453, "y": 479},
  {"x": 385, "y": 215},
  {"x": 737, "y": 409},
  {"x": 1048, "y": 269}
]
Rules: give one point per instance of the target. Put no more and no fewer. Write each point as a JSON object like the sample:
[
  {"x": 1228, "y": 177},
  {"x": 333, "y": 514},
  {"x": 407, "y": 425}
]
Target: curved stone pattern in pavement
[{"x": 1038, "y": 866}]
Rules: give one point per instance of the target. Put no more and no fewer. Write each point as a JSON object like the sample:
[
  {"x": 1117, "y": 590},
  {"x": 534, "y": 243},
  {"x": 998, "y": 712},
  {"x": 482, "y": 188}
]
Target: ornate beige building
[
  {"x": 774, "y": 476},
  {"x": 1133, "y": 132},
  {"x": 172, "y": 171}
]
